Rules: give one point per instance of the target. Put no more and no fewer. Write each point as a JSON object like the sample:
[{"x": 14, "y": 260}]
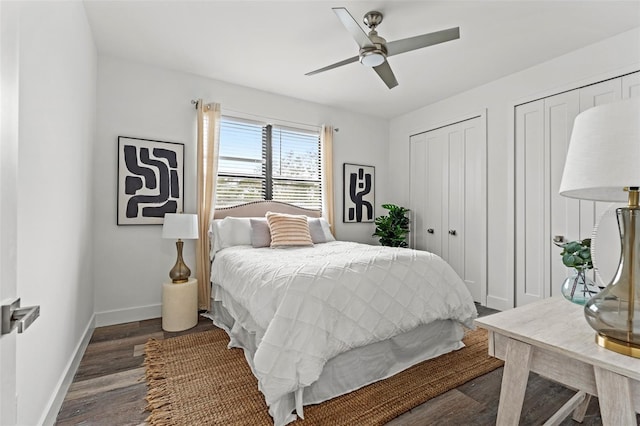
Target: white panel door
[
  {"x": 530, "y": 274},
  {"x": 560, "y": 112},
  {"x": 437, "y": 195},
  {"x": 455, "y": 237},
  {"x": 417, "y": 194},
  {"x": 449, "y": 206},
  {"x": 474, "y": 228},
  {"x": 429, "y": 197},
  {"x": 542, "y": 132}
]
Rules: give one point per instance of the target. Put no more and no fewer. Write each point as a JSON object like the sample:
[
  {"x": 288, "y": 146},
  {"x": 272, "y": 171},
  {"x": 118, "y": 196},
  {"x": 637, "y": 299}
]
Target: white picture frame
[
  {"x": 150, "y": 180},
  {"x": 358, "y": 197}
]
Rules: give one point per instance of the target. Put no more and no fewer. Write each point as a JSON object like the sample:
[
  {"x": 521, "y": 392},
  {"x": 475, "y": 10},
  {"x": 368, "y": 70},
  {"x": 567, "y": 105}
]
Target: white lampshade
[
  {"x": 182, "y": 226},
  {"x": 604, "y": 153}
]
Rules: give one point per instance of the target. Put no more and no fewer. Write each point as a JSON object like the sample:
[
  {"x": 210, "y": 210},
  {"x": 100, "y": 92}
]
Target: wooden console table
[{"x": 552, "y": 338}]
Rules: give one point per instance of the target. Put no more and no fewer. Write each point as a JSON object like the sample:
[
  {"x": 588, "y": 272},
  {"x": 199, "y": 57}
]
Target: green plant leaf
[
  {"x": 392, "y": 228},
  {"x": 577, "y": 254}
]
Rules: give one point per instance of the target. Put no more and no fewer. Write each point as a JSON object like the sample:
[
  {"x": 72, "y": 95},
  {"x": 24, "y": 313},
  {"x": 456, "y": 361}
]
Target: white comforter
[{"x": 312, "y": 303}]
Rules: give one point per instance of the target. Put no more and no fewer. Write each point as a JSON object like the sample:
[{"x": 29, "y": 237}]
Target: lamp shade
[
  {"x": 604, "y": 153},
  {"x": 182, "y": 226}
]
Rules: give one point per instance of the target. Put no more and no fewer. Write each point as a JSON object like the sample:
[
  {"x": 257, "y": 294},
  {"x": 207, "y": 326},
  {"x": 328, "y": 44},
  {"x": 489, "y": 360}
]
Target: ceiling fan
[{"x": 374, "y": 50}]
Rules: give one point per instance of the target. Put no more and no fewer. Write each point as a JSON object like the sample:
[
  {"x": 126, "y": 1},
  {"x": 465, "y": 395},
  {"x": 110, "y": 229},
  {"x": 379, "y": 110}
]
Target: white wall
[
  {"x": 141, "y": 101},
  {"x": 57, "y": 96},
  {"x": 606, "y": 59}
]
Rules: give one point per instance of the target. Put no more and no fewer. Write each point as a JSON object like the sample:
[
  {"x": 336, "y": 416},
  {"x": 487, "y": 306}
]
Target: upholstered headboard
[{"x": 260, "y": 208}]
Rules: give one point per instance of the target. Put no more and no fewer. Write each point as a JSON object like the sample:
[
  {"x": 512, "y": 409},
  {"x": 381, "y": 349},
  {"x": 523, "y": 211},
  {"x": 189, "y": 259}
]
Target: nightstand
[{"x": 179, "y": 305}]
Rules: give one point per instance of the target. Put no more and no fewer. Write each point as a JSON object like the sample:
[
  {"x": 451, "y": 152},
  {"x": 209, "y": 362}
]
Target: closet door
[
  {"x": 417, "y": 191},
  {"x": 437, "y": 194},
  {"x": 530, "y": 275},
  {"x": 472, "y": 193},
  {"x": 449, "y": 205},
  {"x": 542, "y": 134},
  {"x": 560, "y": 112},
  {"x": 456, "y": 235},
  {"x": 429, "y": 192}
]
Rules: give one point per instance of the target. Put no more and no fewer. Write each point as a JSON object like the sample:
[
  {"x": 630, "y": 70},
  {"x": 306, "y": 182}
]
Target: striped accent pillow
[{"x": 288, "y": 230}]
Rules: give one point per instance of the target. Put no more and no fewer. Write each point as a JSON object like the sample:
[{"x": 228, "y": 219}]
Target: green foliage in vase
[
  {"x": 394, "y": 227},
  {"x": 577, "y": 254}
]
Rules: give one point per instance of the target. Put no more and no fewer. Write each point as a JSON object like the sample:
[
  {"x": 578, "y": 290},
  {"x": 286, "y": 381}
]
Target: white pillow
[
  {"x": 328, "y": 236},
  {"x": 229, "y": 232},
  {"x": 260, "y": 234},
  {"x": 214, "y": 237},
  {"x": 316, "y": 231}
]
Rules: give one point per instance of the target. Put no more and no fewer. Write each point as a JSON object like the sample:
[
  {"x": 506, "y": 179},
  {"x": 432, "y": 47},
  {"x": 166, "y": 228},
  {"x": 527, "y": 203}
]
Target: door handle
[
  {"x": 430, "y": 230},
  {"x": 13, "y": 316},
  {"x": 452, "y": 232}
]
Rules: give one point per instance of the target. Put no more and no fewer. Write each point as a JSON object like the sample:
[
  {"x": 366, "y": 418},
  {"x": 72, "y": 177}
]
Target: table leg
[
  {"x": 575, "y": 404},
  {"x": 514, "y": 382},
  {"x": 581, "y": 410},
  {"x": 614, "y": 395}
]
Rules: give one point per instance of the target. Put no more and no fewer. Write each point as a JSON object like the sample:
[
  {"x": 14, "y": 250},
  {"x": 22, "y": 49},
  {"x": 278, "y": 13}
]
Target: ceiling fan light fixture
[
  {"x": 374, "y": 49},
  {"x": 372, "y": 58}
]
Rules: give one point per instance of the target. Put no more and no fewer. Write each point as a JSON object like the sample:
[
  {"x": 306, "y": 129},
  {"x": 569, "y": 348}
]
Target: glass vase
[
  {"x": 579, "y": 288},
  {"x": 615, "y": 312}
]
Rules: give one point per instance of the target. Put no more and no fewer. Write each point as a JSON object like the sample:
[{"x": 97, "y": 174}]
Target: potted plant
[
  {"x": 394, "y": 227},
  {"x": 578, "y": 288}
]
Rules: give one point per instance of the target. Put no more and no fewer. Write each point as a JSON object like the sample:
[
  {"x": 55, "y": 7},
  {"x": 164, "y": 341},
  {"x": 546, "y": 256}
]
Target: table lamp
[
  {"x": 180, "y": 226},
  {"x": 603, "y": 164}
]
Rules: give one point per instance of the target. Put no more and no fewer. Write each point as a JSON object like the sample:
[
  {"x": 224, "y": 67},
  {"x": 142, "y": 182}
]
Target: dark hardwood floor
[{"x": 109, "y": 387}]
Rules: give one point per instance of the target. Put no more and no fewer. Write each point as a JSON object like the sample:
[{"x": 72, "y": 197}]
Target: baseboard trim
[
  {"x": 121, "y": 316},
  {"x": 498, "y": 303},
  {"x": 55, "y": 403}
]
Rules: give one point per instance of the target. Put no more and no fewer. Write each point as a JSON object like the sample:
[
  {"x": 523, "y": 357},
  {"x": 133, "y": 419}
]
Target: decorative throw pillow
[
  {"x": 288, "y": 230},
  {"x": 316, "y": 231},
  {"x": 260, "y": 234},
  {"x": 328, "y": 236}
]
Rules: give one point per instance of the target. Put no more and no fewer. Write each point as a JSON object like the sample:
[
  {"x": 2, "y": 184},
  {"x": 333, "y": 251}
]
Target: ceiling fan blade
[
  {"x": 418, "y": 42},
  {"x": 385, "y": 73},
  {"x": 352, "y": 26},
  {"x": 336, "y": 65}
]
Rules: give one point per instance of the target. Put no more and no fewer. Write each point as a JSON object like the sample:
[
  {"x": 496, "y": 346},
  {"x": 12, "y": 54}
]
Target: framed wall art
[
  {"x": 358, "y": 199},
  {"x": 150, "y": 180}
]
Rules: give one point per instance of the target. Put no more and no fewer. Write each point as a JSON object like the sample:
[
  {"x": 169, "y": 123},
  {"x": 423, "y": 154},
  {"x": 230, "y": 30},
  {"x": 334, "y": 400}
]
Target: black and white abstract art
[
  {"x": 150, "y": 180},
  {"x": 358, "y": 193}
]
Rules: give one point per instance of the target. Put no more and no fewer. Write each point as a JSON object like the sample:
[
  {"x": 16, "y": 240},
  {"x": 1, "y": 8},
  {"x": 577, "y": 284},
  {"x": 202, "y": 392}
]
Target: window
[{"x": 268, "y": 162}]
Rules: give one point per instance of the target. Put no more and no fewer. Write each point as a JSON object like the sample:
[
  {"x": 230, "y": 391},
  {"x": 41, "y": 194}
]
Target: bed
[{"x": 319, "y": 320}]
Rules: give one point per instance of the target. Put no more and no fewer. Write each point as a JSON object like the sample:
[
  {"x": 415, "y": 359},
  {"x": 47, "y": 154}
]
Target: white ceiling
[{"x": 270, "y": 45}]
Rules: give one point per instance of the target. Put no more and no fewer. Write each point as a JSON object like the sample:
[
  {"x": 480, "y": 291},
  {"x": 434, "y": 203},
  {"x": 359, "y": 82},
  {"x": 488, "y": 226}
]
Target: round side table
[{"x": 179, "y": 305}]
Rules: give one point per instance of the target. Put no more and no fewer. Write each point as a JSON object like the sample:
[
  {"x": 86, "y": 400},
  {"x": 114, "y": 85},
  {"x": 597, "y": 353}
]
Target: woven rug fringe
[{"x": 158, "y": 400}]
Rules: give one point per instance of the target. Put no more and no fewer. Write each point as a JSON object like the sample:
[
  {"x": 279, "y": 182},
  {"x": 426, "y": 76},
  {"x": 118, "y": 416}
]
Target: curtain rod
[{"x": 195, "y": 102}]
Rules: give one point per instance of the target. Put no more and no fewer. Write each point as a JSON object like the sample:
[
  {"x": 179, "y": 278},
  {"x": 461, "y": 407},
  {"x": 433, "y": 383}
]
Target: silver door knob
[
  {"x": 430, "y": 230},
  {"x": 452, "y": 232}
]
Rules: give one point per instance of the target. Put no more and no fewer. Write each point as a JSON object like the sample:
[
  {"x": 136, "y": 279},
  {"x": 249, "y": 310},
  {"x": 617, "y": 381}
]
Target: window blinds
[{"x": 265, "y": 162}]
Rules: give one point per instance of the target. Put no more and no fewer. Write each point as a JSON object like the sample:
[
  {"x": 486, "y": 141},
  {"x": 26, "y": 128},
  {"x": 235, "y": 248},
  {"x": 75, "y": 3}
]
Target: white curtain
[
  {"x": 326, "y": 140},
  {"x": 208, "y": 147}
]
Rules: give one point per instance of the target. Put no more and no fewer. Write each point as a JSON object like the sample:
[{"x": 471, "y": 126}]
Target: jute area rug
[{"x": 195, "y": 380}]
